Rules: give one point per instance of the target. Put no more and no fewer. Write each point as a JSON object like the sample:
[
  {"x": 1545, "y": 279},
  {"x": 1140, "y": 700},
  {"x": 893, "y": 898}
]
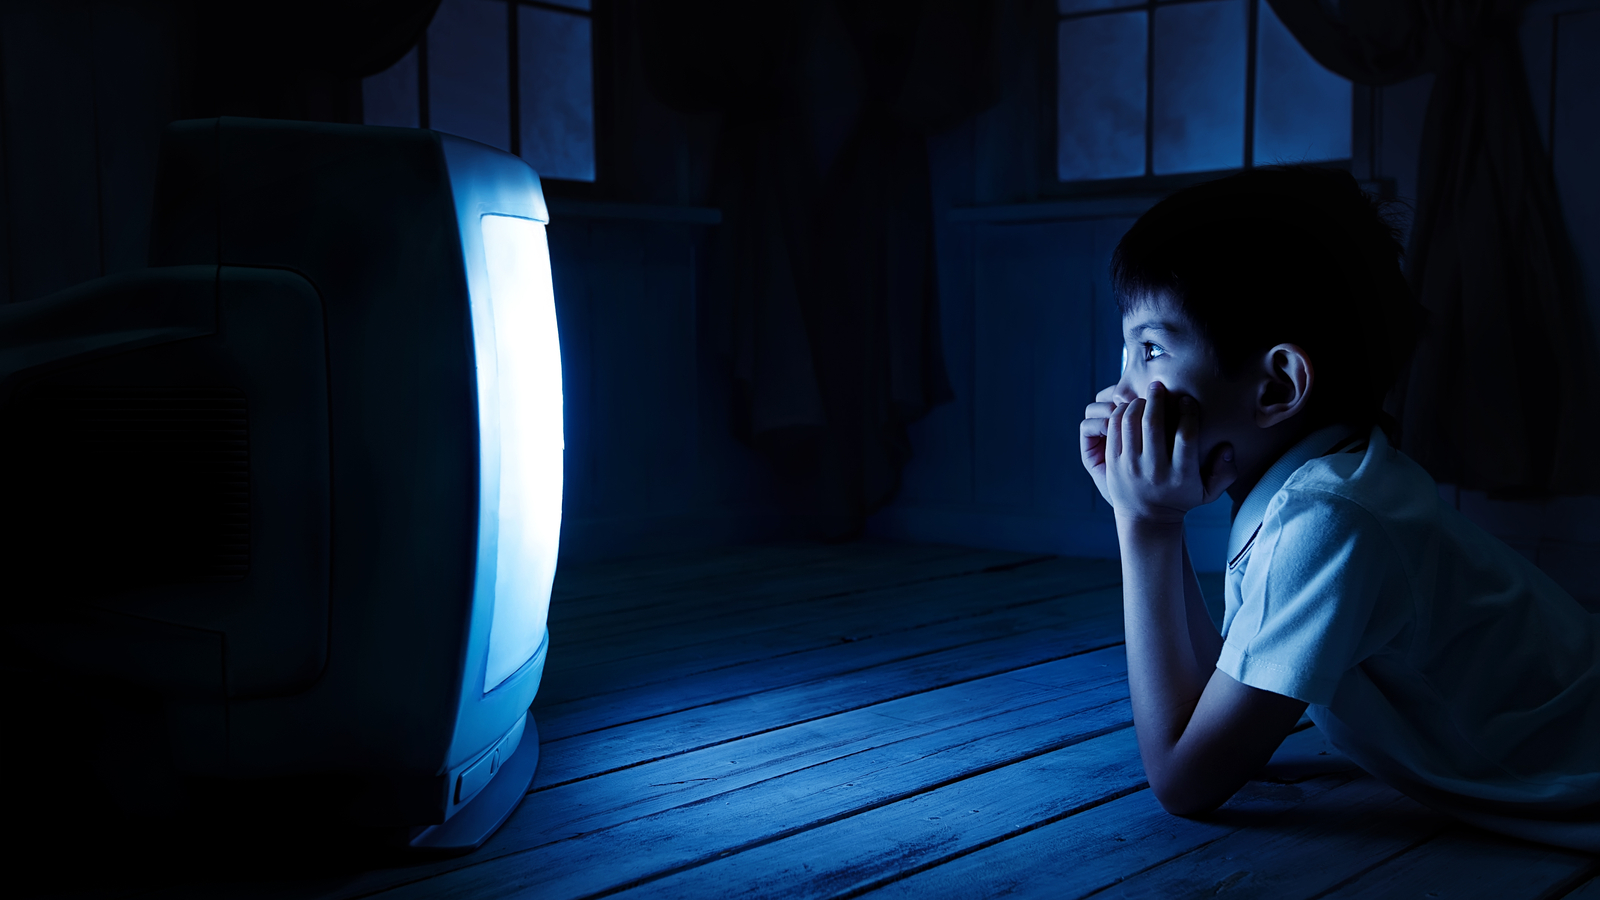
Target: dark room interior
[{"x": 836, "y": 610}]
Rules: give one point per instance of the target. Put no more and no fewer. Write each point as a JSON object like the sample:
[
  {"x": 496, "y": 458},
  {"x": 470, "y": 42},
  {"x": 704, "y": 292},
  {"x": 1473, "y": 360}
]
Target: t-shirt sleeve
[{"x": 1322, "y": 589}]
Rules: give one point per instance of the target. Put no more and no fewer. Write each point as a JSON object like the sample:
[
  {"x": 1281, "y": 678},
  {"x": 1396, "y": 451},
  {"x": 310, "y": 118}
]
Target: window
[
  {"x": 514, "y": 74},
  {"x": 1173, "y": 86}
]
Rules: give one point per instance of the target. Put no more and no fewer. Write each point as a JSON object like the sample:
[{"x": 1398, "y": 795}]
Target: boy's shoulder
[{"x": 1370, "y": 474}]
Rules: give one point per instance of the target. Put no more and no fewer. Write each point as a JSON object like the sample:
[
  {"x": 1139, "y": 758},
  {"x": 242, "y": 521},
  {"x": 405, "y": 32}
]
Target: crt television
[{"x": 301, "y": 478}]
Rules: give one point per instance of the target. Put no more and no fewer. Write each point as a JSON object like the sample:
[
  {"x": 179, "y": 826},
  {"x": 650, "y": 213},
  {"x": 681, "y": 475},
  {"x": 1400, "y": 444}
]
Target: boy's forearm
[
  {"x": 1165, "y": 678},
  {"x": 1203, "y": 634}
]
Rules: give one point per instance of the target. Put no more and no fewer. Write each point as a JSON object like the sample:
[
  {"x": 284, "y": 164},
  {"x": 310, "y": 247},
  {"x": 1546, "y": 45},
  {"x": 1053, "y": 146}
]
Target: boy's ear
[{"x": 1285, "y": 384}]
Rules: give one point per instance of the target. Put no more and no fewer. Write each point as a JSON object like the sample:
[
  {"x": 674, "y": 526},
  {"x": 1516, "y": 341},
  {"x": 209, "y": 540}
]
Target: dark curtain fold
[
  {"x": 1501, "y": 394},
  {"x": 823, "y": 288}
]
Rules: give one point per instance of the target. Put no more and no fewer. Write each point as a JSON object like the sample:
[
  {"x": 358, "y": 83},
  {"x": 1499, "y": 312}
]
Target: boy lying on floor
[{"x": 1264, "y": 318}]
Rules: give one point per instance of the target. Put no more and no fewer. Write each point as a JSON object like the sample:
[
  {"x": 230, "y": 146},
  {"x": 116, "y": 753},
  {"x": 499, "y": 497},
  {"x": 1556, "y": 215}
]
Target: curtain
[
  {"x": 822, "y": 292},
  {"x": 1501, "y": 394}
]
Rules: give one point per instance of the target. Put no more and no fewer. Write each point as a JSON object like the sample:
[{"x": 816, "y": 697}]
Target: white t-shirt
[{"x": 1435, "y": 656}]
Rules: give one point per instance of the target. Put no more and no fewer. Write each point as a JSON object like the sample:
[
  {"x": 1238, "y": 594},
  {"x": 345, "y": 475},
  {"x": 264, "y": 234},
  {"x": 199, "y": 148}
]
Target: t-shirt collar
[{"x": 1254, "y": 508}]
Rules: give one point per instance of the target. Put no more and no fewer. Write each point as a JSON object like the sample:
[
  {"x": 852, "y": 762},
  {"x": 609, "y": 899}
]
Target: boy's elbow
[{"x": 1187, "y": 797}]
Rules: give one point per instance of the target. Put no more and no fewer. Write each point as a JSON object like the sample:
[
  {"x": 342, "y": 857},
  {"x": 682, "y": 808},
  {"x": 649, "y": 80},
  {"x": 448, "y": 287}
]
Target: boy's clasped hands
[{"x": 1145, "y": 460}]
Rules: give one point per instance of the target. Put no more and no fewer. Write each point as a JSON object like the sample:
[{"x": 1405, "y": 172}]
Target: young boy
[{"x": 1264, "y": 318}]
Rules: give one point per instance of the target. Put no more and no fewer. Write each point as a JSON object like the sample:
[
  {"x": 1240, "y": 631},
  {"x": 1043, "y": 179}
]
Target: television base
[{"x": 466, "y": 831}]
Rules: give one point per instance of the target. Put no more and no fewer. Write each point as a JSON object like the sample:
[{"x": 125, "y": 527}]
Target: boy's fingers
[
  {"x": 1155, "y": 422},
  {"x": 1114, "y": 433},
  {"x": 1133, "y": 427},
  {"x": 1098, "y": 410},
  {"x": 1092, "y": 442}
]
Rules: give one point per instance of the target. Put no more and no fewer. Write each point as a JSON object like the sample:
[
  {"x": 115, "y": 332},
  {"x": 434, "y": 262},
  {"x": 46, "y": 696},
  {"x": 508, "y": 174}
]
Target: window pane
[
  {"x": 1302, "y": 109},
  {"x": 557, "y": 93},
  {"x": 1199, "y": 86},
  {"x": 468, "y": 77},
  {"x": 1100, "y": 97}
]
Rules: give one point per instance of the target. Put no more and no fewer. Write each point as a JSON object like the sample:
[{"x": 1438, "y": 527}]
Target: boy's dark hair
[{"x": 1283, "y": 254}]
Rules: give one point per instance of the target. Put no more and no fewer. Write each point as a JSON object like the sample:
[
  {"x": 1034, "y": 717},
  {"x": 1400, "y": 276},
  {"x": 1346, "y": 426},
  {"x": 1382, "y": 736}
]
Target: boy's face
[{"x": 1160, "y": 345}]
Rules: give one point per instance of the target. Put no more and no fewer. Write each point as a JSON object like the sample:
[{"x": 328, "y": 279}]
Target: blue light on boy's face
[{"x": 1159, "y": 345}]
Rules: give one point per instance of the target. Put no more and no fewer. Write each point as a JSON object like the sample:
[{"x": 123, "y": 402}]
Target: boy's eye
[{"x": 1151, "y": 351}]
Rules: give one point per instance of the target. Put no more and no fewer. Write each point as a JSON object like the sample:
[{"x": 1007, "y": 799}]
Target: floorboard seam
[
  {"x": 993, "y": 611},
  {"x": 835, "y": 712},
  {"x": 1377, "y": 865},
  {"x": 1168, "y": 859},
  {"x": 867, "y": 749},
  {"x": 983, "y": 845},
  {"x": 848, "y": 814},
  {"x": 842, "y": 674},
  {"x": 786, "y": 833}
]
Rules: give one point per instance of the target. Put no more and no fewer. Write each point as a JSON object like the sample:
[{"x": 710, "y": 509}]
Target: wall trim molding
[
  {"x": 1117, "y": 206},
  {"x": 637, "y": 212}
]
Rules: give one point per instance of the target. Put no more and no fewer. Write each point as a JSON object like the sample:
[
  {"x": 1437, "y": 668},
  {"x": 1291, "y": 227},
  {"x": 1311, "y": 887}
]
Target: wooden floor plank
[
  {"x": 876, "y": 847},
  {"x": 1081, "y": 855},
  {"x": 763, "y": 633},
  {"x": 591, "y": 753},
  {"x": 757, "y": 634},
  {"x": 850, "y": 746},
  {"x": 860, "y": 850},
  {"x": 832, "y": 659},
  {"x": 808, "y": 720},
  {"x": 700, "y": 833},
  {"x": 1300, "y": 853},
  {"x": 1465, "y": 862}
]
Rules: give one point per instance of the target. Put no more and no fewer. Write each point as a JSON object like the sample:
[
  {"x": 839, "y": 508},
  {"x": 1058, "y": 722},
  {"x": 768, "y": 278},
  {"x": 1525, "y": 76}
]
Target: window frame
[
  {"x": 600, "y": 56},
  {"x": 1362, "y": 110}
]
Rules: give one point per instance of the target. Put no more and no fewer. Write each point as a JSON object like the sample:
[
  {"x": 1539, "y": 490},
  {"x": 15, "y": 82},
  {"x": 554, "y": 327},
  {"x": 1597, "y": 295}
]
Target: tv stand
[{"x": 466, "y": 831}]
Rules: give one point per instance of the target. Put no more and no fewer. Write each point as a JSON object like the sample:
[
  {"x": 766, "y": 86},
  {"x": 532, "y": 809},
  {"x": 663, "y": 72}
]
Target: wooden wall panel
[
  {"x": 1012, "y": 267},
  {"x": 1063, "y": 344}
]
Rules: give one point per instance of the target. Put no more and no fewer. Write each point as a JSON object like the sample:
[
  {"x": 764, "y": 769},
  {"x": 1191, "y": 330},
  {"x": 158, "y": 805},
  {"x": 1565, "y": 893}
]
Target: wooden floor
[{"x": 891, "y": 720}]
